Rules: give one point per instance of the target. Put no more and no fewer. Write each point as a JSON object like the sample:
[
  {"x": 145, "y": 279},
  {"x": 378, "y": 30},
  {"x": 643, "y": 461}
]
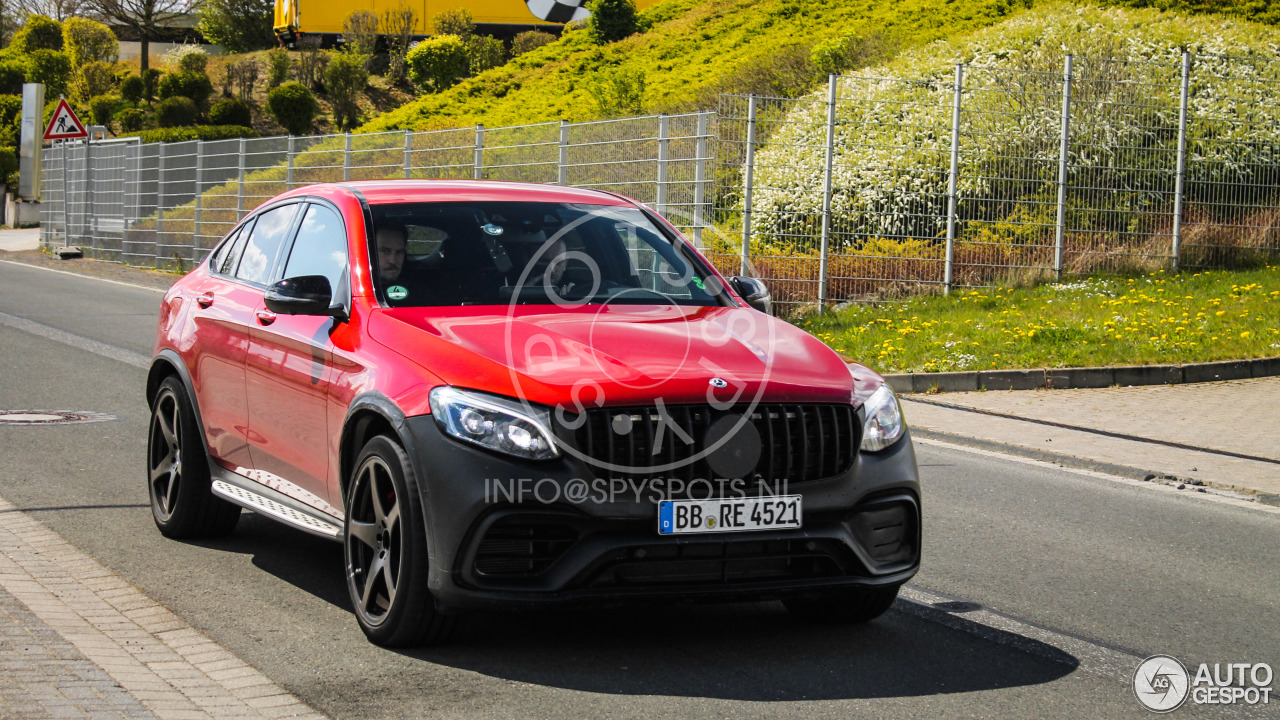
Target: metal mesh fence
[
  {"x": 877, "y": 188},
  {"x": 168, "y": 204}
]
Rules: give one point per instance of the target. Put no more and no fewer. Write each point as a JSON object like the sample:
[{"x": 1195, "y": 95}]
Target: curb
[
  {"x": 1126, "y": 471},
  {"x": 1085, "y": 377}
]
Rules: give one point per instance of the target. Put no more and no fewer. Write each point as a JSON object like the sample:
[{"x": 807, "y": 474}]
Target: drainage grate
[{"x": 52, "y": 417}]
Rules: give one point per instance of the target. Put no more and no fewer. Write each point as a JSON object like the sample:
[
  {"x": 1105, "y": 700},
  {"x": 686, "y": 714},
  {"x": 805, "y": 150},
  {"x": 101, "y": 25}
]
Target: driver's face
[
  {"x": 390, "y": 254},
  {"x": 552, "y": 257}
]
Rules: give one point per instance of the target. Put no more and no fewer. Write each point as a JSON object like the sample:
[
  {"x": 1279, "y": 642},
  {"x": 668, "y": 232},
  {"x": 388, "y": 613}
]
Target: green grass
[
  {"x": 1139, "y": 320},
  {"x": 693, "y": 49}
]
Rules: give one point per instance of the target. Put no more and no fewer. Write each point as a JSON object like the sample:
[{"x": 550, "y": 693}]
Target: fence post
[
  {"x": 699, "y": 179},
  {"x": 288, "y": 172},
  {"x": 1182, "y": 158},
  {"x": 747, "y": 181},
  {"x": 949, "y": 268},
  {"x": 89, "y": 226},
  {"x": 195, "y": 220},
  {"x": 1059, "y": 247},
  {"x": 346, "y": 158},
  {"x": 408, "y": 154},
  {"x": 66, "y": 199},
  {"x": 160, "y": 201},
  {"x": 832, "y": 81},
  {"x": 477, "y": 171},
  {"x": 664, "y": 149},
  {"x": 562, "y": 167},
  {"x": 240, "y": 184}
]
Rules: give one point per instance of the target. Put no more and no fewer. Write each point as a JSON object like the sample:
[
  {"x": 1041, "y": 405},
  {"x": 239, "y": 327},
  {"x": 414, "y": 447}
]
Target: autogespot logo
[
  {"x": 1161, "y": 683},
  {"x": 695, "y": 345}
]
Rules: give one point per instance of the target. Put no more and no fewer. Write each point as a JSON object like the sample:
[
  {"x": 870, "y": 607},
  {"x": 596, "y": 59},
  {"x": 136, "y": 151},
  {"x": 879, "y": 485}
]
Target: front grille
[
  {"x": 887, "y": 531},
  {"x": 798, "y": 442},
  {"x": 724, "y": 563},
  {"x": 521, "y": 549}
]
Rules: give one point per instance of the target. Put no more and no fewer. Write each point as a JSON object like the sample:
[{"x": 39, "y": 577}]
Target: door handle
[
  {"x": 266, "y": 317},
  {"x": 205, "y": 300}
]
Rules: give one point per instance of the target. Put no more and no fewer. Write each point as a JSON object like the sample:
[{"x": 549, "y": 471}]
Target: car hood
[{"x": 617, "y": 354}]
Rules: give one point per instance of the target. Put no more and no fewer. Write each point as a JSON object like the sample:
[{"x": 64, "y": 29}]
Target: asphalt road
[{"x": 1080, "y": 577}]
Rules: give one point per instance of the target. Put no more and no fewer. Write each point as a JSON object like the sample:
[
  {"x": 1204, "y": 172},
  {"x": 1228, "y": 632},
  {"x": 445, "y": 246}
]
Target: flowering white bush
[{"x": 893, "y": 136}]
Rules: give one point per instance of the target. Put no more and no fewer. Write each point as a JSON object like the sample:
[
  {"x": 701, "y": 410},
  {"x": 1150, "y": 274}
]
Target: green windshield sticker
[
  {"x": 397, "y": 292},
  {"x": 698, "y": 281}
]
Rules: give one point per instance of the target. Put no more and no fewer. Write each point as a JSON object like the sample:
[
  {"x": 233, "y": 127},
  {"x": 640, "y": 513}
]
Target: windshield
[{"x": 493, "y": 253}]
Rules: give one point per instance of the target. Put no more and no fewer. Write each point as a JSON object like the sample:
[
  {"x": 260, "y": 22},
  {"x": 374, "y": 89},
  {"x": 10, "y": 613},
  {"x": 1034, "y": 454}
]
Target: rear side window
[
  {"x": 321, "y": 247},
  {"x": 268, "y": 234}
]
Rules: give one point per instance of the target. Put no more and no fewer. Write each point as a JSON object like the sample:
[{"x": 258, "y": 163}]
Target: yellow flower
[{"x": 1245, "y": 334}]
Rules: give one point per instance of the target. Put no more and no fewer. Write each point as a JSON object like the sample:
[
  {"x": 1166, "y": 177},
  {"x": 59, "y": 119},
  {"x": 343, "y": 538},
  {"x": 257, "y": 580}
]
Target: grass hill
[{"x": 692, "y": 51}]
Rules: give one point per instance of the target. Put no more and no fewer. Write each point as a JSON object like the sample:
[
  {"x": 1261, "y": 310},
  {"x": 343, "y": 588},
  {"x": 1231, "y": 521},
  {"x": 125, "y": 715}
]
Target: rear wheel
[
  {"x": 182, "y": 503},
  {"x": 385, "y": 549},
  {"x": 846, "y": 606}
]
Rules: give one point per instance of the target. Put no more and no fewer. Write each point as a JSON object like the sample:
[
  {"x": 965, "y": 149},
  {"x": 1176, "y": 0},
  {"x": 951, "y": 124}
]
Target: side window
[
  {"x": 264, "y": 243},
  {"x": 225, "y": 257},
  {"x": 321, "y": 247}
]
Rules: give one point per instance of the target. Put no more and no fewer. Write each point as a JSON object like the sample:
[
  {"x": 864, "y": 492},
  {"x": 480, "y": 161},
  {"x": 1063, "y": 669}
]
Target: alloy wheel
[
  {"x": 373, "y": 542},
  {"x": 164, "y": 455}
]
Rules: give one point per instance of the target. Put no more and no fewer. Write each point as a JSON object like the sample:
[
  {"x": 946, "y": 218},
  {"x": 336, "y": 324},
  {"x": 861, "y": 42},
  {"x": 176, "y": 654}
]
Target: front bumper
[{"x": 505, "y": 532}]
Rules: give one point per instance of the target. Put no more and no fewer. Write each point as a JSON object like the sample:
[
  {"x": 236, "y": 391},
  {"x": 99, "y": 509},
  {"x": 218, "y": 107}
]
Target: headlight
[
  {"x": 494, "y": 423},
  {"x": 884, "y": 420}
]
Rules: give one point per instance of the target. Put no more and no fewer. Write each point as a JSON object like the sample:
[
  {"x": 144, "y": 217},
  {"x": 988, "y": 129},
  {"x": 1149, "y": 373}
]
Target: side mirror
[
  {"x": 754, "y": 292},
  {"x": 304, "y": 295}
]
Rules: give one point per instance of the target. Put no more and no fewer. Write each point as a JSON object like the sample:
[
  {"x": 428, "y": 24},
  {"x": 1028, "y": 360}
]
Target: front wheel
[
  {"x": 845, "y": 606},
  {"x": 182, "y": 502},
  {"x": 385, "y": 549}
]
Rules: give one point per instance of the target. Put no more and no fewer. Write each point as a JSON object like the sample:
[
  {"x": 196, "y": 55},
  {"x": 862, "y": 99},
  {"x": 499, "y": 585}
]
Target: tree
[
  {"x": 453, "y": 22},
  {"x": 147, "y": 18},
  {"x": 56, "y": 9},
  {"x": 530, "y": 40},
  {"x": 38, "y": 33},
  {"x": 611, "y": 20},
  {"x": 360, "y": 33},
  {"x": 86, "y": 41},
  {"x": 484, "y": 52},
  {"x": 237, "y": 25},
  {"x": 344, "y": 80},
  {"x": 398, "y": 26}
]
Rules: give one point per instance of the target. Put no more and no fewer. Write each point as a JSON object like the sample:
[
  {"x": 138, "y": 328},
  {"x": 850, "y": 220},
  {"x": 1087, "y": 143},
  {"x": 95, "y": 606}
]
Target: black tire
[
  {"x": 182, "y": 503},
  {"x": 385, "y": 550},
  {"x": 847, "y": 606}
]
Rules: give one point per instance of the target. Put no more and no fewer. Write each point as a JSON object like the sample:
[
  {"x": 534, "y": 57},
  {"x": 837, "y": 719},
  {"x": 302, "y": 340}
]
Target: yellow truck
[{"x": 322, "y": 19}]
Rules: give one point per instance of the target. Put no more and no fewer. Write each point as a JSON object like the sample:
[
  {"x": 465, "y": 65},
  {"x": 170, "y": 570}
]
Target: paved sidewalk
[
  {"x": 77, "y": 641},
  {"x": 1224, "y": 434}
]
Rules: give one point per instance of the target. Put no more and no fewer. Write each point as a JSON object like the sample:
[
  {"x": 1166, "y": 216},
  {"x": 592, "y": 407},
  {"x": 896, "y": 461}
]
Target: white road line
[
  {"x": 127, "y": 357},
  {"x": 1210, "y": 494},
  {"x": 81, "y": 275}
]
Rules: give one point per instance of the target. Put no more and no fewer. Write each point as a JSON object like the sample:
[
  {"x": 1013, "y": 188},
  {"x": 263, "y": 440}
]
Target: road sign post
[{"x": 64, "y": 126}]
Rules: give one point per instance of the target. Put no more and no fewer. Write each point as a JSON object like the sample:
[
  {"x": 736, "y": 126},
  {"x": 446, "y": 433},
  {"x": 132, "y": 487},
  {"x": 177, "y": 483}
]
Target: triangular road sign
[{"x": 64, "y": 125}]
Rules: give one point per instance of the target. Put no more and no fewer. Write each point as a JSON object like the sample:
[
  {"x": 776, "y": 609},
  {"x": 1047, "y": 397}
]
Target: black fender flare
[
  {"x": 378, "y": 404},
  {"x": 169, "y": 362}
]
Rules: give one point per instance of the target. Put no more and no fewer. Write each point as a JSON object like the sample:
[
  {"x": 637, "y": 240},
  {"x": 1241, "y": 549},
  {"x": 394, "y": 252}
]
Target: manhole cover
[{"x": 52, "y": 417}]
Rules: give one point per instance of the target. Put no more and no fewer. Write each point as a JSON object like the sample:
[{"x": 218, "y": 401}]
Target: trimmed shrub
[
  {"x": 131, "y": 120},
  {"x": 51, "y": 67},
  {"x": 188, "y": 58},
  {"x": 87, "y": 41},
  {"x": 12, "y": 75},
  {"x": 293, "y": 106},
  {"x": 231, "y": 112},
  {"x": 103, "y": 108},
  {"x": 438, "y": 63},
  {"x": 611, "y": 20},
  {"x": 39, "y": 33},
  {"x": 529, "y": 41},
  {"x": 192, "y": 85},
  {"x": 345, "y": 79},
  {"x": 176, "y": 111},
  {"x": 94, "y": 79},
  {"x": 151, "y": 82},
  {"x": 8, "y": 163},
  {"x": 198, "y": 132},
  {"x": 453, "y": 22},
  {"x": 277, "y": 67},
  {"x": 132, "y": 88},
  {"x": 484, "y": 52}
]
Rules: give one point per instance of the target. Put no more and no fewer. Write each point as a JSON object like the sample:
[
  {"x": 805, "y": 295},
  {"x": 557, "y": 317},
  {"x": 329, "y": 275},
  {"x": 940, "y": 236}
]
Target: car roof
[{"x": 379, "y": 192}]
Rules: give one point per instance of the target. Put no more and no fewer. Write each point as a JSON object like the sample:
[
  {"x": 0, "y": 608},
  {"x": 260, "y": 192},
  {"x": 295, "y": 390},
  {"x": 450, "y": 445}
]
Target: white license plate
[{"x": 680, "y": 517}]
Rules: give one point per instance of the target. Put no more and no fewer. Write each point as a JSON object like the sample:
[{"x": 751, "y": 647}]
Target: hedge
[{"x": 199, "y": 132}]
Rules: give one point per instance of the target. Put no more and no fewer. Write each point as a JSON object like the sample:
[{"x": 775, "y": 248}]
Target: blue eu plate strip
[{"x": 664, "y": 518}]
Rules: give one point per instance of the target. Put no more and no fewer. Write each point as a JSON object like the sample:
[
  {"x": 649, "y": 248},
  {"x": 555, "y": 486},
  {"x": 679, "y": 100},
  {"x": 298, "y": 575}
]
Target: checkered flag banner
[{"x": 558, "y": 11}]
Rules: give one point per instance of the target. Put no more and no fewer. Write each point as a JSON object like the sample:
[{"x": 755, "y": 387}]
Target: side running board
[{"x": 263, "y": 500}]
